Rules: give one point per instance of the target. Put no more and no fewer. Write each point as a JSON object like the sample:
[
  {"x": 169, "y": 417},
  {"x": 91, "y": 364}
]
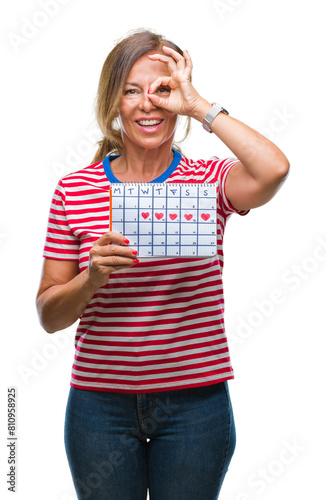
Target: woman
[{"x": 149, "y": 406}]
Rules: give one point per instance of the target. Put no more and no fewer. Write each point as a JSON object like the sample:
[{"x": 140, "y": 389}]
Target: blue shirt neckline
[{"x": 112, "y": 178}]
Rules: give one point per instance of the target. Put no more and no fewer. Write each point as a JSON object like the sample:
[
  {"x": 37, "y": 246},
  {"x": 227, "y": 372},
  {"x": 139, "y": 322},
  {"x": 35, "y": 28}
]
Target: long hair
[{"x": 113, "y": 77}]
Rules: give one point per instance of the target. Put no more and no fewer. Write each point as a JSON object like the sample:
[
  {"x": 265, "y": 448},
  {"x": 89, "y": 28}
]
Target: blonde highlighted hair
[{"x": 113, "y": 77}]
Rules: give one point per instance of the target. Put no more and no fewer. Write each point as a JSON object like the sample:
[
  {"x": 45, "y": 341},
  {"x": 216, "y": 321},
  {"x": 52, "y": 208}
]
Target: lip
[{"x": 151, "y": 130}]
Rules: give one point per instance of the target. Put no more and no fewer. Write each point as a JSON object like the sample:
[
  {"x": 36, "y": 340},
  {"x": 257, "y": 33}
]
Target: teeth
[{"x": 149, "y": 122}]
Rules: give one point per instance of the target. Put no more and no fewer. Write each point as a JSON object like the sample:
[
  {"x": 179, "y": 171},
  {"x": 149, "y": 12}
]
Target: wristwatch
[{"x": 212, "y": 113}]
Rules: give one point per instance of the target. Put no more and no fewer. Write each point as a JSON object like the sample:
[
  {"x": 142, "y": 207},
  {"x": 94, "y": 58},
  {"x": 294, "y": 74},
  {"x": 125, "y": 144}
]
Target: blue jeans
[{"x": 177, "y": 444}]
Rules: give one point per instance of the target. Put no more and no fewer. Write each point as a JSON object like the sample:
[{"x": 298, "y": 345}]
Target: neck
[{"x": 142, "y": 165}]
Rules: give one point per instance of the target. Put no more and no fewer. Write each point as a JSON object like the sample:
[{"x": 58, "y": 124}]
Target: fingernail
[
  {"x": 136, "y": 261},
  {"x": 134, "y": 252},
  {"x": 126, "y": 241}
]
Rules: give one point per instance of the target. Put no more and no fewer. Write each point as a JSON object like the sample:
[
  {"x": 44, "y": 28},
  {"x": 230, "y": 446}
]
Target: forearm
[
  {"x": 60, "y": 306},
  {"x": 262, "y": 159},
  {"x": 64, "y": 292}
]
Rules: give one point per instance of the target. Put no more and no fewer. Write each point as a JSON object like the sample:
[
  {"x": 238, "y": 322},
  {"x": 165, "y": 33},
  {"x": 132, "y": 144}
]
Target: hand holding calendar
[{"x": 108, "y": 254}]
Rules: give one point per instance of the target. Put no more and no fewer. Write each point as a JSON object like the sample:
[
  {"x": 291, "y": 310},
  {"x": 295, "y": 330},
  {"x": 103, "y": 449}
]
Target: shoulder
[
  {"x": 93, "y": 174},
  {"x": 202, "y": 170}
]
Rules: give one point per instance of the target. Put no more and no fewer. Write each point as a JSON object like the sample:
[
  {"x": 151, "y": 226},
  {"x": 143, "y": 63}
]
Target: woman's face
[{"x": 142, "y": 123}]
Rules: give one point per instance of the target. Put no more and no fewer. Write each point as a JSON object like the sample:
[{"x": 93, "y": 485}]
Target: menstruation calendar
[{"x": 166, "y": 220}]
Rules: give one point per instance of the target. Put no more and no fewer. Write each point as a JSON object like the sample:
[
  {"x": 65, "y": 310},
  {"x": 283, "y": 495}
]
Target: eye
[
  {"x": 164, "y": 90},
  {"x": 130, "y": 91}
]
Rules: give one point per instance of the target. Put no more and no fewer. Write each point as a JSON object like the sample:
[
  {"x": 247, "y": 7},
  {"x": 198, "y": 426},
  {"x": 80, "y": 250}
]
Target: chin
[{"x": 151, "y": 142}]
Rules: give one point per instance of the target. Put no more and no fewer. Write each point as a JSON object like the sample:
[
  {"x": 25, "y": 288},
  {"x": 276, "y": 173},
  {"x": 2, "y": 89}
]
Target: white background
[{"x": 264, "y": 61}]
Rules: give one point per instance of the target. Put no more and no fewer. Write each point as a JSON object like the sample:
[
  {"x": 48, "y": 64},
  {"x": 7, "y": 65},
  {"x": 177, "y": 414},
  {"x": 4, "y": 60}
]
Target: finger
[
  {"x": 158, "y": 101},
  {"x": 120, "y": 268},
  {"x": 107, "y": 263},
  {"x": 161, "y": 81},
  {"x": 189, "y": 65},
  {"x": 158, "y": 98},
  {"x": 111, "y": 250},
  {"x": 160, "y": 57},
  {"x": 178, "y": 57},
  {"x": 111, "y": 236},
  {"x": 116, "y": 261},
  {"x": 169, "y": 61}
]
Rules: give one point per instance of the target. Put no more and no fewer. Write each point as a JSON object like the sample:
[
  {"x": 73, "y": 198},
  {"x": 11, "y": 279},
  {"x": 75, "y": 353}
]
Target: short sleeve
[
  {"x": 60, "y": 241},
  {"x": 224, "y": 168}
]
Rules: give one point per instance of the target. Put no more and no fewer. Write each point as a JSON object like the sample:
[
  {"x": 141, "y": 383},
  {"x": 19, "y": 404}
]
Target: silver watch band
[{"x": 212, "y": 113}]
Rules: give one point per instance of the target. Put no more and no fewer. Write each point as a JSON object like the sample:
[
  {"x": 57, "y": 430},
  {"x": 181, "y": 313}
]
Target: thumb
[{"x": 158, "y": 101}]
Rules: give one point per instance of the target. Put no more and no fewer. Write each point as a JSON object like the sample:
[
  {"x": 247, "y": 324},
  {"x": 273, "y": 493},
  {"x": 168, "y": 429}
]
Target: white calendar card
[{"x": 166, "y": 219}]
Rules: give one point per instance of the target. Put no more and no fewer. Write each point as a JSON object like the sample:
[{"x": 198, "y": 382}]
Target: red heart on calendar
[
  {"x": 188, "y": 216},
  {"x": 205, "y": 216},
  {"x": 145, "y": 215},
  {"x": 173, "y": 216},
  {"x": 159, "y": 216}
]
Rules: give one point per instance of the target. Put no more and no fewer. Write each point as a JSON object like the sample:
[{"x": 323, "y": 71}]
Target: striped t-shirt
[{"x": 158, "y": 325}]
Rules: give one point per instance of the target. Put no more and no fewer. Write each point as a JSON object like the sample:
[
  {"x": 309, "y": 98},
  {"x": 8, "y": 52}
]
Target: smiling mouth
[{"x": 149, "y": 123}]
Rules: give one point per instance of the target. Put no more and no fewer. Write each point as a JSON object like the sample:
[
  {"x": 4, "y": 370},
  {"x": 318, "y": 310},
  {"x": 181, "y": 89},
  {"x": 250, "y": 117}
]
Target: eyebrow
[{"x": 134, "y": 84}]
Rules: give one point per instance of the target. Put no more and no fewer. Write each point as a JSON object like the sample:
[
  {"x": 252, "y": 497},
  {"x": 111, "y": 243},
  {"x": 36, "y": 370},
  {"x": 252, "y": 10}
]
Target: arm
[
  {"x": 64, "y": 293},
  {"x": 262, "y": 167}
]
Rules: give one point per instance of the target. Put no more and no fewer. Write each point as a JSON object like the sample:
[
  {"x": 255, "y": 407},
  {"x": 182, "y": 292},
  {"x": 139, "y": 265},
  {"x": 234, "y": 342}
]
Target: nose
[{"x": 145, "y": 103}]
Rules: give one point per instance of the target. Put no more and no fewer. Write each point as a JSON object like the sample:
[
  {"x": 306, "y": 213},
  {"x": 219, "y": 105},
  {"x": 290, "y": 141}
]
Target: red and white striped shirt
[{"x": 156, "y": 326}]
